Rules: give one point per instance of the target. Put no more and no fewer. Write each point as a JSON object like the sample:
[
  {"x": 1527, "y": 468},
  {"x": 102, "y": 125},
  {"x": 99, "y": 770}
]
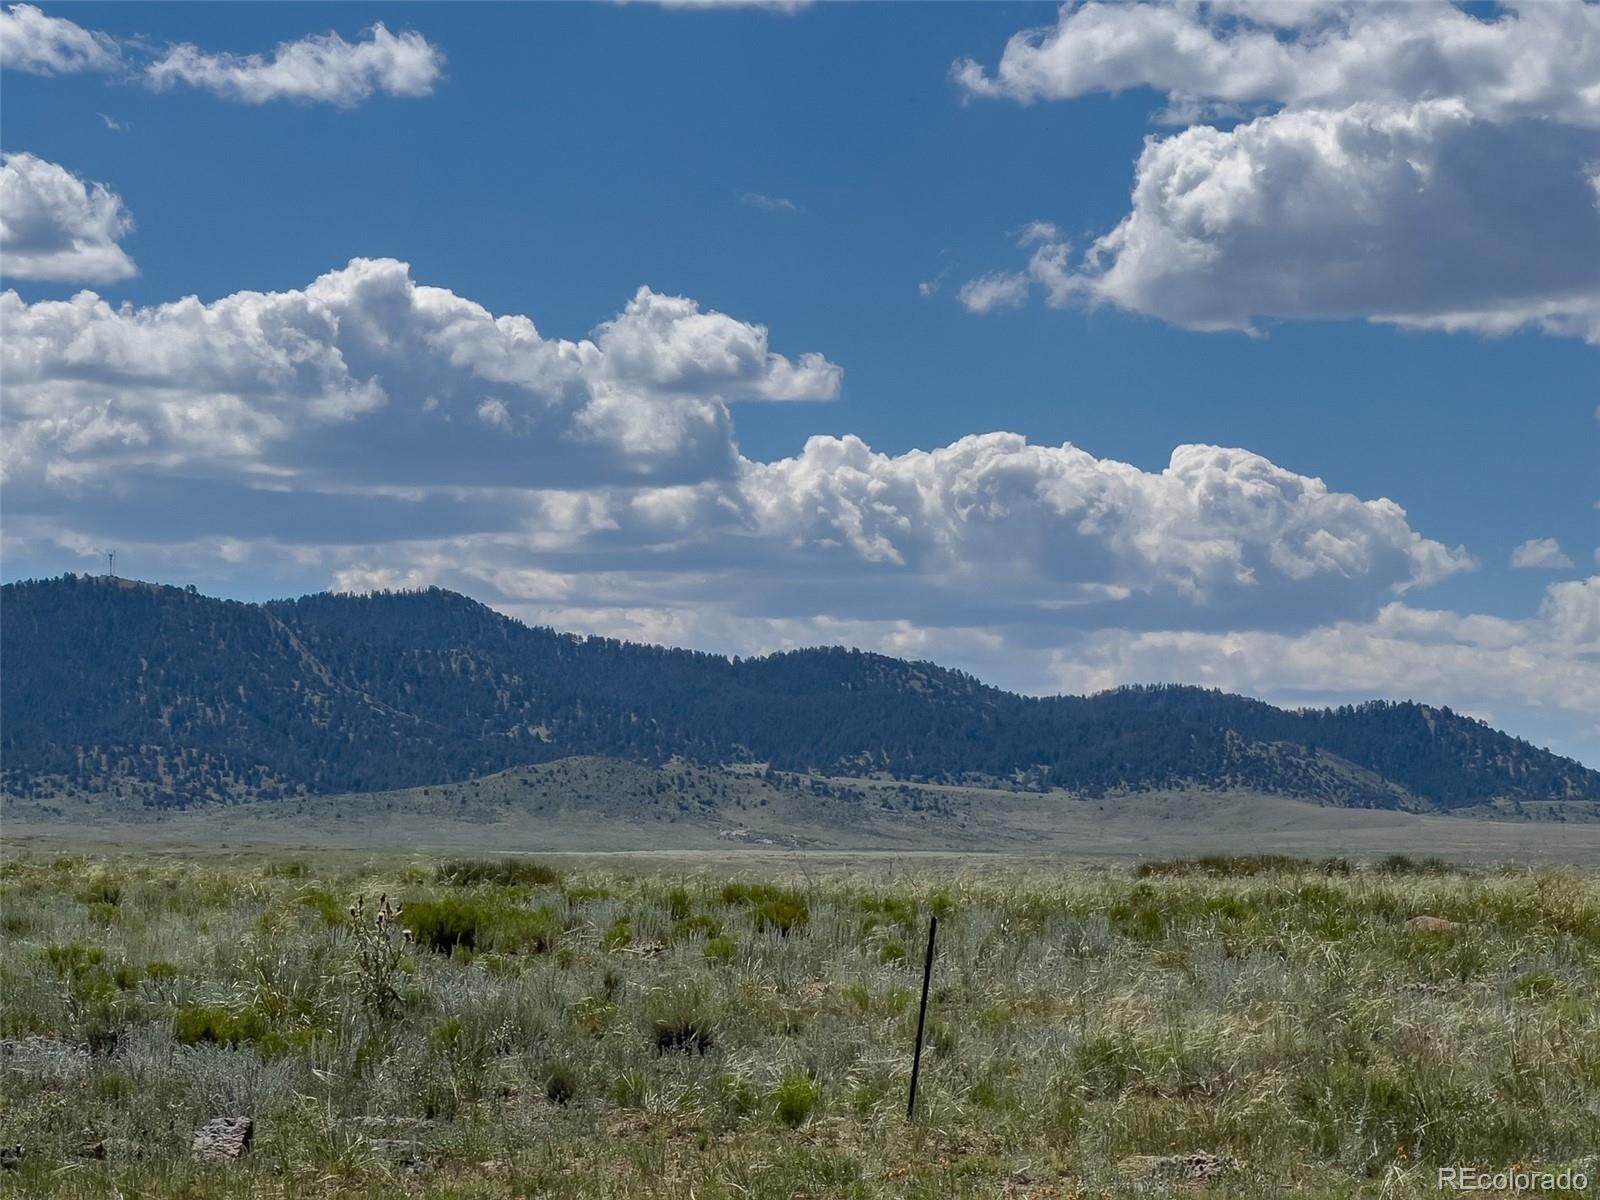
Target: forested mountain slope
[{"x": 176, "y": 698}]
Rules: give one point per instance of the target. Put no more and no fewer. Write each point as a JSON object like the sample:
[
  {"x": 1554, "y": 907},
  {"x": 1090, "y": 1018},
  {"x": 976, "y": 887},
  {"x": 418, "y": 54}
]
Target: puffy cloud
[
  {"x": 1423, "y": 168},
  {"x": 1572, "y": 609},
  {"x": 1537, "y": 60},
  {"x": 669, "y": 342},
  {"x": 41, "y": 45},
  {"x": 1051, "y": 534},
  {"x": 320, "y": 68},
  {"x": 366, "y": 376},
  {"x": 1540, "y": 553},
  {"x": 55, "y": 226},
  {"x": 1420, "y": 215},
  {"x": 1048, "y": 266}
]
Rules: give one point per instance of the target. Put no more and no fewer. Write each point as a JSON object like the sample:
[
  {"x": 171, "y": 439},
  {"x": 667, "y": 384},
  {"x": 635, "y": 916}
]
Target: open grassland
[
  {"x": 523, "y": 1030},
  {"x": 589, "y": 805}
]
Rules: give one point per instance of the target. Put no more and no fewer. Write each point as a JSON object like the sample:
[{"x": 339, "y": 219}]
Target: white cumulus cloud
[
  {"x": 1543, "y": 553},
  {"x": 385, "y": 423},
  {"x": 1415, "y": 215},
  {"x": 367, "y": 374},
  {"x": 41, "y": 45},
  {"x": 1055, "y": 535},
  {"x": 1411, "y": 164},
  {"x": 1536, "y": 60},
  {"x": 318, "y": 68},
  {"x": 1573, "y": 611},
  {"x": 54, "y": 225}
]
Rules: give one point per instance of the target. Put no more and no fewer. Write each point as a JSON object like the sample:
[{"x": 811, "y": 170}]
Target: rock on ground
[{"x": 225, "y": 1139}]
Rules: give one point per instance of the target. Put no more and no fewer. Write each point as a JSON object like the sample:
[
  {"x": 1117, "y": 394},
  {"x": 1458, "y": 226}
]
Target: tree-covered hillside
[{"x": 178, "y": 698}]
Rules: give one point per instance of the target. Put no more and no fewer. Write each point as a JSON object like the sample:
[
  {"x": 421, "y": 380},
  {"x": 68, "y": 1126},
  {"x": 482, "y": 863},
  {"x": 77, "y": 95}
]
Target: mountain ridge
[{"x": 170, "y": 698}]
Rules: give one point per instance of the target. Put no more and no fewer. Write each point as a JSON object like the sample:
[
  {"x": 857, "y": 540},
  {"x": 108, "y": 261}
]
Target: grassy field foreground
[{"x": 519, "y": 1031}]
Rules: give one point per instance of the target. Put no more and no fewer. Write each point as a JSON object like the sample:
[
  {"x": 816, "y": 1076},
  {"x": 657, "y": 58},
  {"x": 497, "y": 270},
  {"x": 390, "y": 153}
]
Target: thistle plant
[{"x": 380, "y": 943}]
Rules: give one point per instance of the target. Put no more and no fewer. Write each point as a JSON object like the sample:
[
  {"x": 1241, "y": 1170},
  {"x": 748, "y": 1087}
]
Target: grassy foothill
[{"x": 1224, "y": 1027}]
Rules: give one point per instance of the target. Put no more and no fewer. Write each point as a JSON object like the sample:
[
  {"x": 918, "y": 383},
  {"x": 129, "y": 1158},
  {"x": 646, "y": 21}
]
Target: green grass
[
  {"x": 1233, "y": 865},
  {"x": 605, "y": 1033},
  {"x": 507, "y": 872}
]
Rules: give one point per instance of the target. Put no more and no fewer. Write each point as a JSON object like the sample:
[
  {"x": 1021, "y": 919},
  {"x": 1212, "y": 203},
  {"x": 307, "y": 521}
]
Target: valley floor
[
  {"x": 600, "y": 806},
  {"x": 714, "y": 1026}
]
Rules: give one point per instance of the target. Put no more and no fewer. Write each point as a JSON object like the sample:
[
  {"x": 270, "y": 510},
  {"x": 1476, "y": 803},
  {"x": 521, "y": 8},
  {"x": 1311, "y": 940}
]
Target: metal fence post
[{"x": 922, "y": 1019}]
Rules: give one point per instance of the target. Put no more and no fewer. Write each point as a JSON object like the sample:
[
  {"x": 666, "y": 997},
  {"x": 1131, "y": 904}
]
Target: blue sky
[{"x": 1390, "y": 316}]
